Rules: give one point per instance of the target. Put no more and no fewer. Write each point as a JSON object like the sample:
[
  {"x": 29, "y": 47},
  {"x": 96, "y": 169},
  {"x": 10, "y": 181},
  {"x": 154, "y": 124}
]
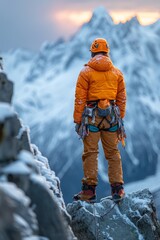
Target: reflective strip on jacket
[{"x": 99, "y": 79}]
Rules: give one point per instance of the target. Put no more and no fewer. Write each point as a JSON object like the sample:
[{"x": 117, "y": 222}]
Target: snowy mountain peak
[
  {"x": 101, "y": 15},
  {"x": 156, "y": 27},
  {"x": 134, "y": 21},
  {"x": 158, "y": 22},
  {"x": 100, "y": 11}
]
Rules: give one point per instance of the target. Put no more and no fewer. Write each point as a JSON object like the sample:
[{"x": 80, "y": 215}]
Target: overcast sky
[{"x": 28, "y": 23}]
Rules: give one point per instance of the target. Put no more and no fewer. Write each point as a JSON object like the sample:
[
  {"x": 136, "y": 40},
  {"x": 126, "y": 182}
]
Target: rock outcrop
[
  {"x": 133, "y": 219},
  {"x": 6, "y": 88},
  {"x": 31, "y": 201},
  {"x": 17, "y": 219}
]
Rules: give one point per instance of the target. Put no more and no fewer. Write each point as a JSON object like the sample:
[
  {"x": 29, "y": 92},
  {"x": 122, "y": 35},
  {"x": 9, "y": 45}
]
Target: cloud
[
  {"x": 150, "y": 5},
  {"x": 28, "y": 23}
]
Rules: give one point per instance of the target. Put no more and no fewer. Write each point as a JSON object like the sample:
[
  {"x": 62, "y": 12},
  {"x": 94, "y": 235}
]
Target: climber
[{"x": 100, "y": 103}]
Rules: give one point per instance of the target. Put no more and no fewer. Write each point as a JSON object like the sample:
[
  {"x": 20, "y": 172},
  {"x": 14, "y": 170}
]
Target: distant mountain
[{"x": 45, "y": 84}]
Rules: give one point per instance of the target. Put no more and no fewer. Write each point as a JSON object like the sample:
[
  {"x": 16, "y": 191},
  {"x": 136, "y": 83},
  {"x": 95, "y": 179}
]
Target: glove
[
  {"x": 77, "y": 127},
  {"x": 122, "y": 133}
]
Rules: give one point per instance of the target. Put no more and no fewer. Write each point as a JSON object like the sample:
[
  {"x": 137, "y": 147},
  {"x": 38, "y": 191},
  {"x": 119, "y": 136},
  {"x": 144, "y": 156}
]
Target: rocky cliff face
[
  {"x": 133, "y": 219},
  {"x": 31, "y": 201}
]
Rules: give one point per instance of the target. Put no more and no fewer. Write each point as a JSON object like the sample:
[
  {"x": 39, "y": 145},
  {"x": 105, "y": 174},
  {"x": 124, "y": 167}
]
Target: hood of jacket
[{"x": 100, "y": 63}]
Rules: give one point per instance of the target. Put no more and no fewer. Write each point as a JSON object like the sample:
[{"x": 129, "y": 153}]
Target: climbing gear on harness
[
  {"x": 99, "y": 45},
  {"x": 89, "y": 111},
  {"x": 111, "y": 114},
  {"x": 87, "y": 194},
  {"x": 107, "y": 113},
  {"x": 83, "y": 129},
  {"x": 117, "y": 191},
  {"x": 77, "y": 126},
  {"x": 121, "y": 129},
  {"x": 121, "y": 132}
]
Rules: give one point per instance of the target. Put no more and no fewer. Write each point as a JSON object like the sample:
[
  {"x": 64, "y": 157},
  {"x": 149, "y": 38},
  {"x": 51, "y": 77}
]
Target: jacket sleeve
[
  {"x": 80, "y": 96},
  {"x": 121, "y": 95}
]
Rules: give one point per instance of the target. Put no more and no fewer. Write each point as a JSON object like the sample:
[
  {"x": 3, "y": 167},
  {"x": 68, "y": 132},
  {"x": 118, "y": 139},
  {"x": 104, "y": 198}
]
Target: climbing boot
[
  {"x": 117, "y": 192},
  {"x": 87, "y": 194}
]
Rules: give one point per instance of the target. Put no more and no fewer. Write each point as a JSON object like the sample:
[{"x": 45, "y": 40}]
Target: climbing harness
[
  {"x": 115, "y": 122},
  {"x": 93, "y": 108}
]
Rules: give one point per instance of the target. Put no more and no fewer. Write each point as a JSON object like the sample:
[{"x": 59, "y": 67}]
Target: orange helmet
[{"x": 99, "y": 45}]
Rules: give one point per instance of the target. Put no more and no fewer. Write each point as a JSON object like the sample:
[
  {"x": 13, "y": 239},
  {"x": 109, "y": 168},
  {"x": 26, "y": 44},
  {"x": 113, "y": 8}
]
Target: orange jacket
[{"x": 99, "y": 79}]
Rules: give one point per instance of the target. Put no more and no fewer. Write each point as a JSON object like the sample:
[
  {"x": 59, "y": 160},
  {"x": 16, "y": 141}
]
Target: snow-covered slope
[{"x": 44, "y": 98}]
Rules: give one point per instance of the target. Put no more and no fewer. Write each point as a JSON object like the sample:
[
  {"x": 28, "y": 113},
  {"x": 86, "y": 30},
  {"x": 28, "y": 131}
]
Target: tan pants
[{"x": 112, "y": 154}]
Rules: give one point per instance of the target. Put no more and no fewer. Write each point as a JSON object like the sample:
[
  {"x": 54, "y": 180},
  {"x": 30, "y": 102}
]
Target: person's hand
[
  {"x": 77, "y": 127},
  {"x": 122, "y": 133}
]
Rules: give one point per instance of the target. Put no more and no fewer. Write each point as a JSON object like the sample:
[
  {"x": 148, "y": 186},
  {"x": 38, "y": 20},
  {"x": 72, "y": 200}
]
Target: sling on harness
[
  {"x": 89, "y": 111},
  {"x": 84, "y": 130},
  {"x": 121, "y": 129}
]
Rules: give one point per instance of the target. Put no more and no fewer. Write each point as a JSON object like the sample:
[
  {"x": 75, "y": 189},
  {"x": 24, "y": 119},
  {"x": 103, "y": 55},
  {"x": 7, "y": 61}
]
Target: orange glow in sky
[
  {"x": 74, "y": 17},
  {"x": 144, "y": 18},
  {"x": 77, "y": 18}
]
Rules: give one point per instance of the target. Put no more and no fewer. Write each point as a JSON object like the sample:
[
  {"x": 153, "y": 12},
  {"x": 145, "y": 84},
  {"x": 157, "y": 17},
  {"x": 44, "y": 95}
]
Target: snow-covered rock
[
  {"x": 9, "y": 128},
  {"x": 133, "y": 219},
  {"x": 17, "y": 219},
  {"x": 33, "y": 208},
  {"x": 156, "y": 195},
  {"x": 6, "y": 88}
]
